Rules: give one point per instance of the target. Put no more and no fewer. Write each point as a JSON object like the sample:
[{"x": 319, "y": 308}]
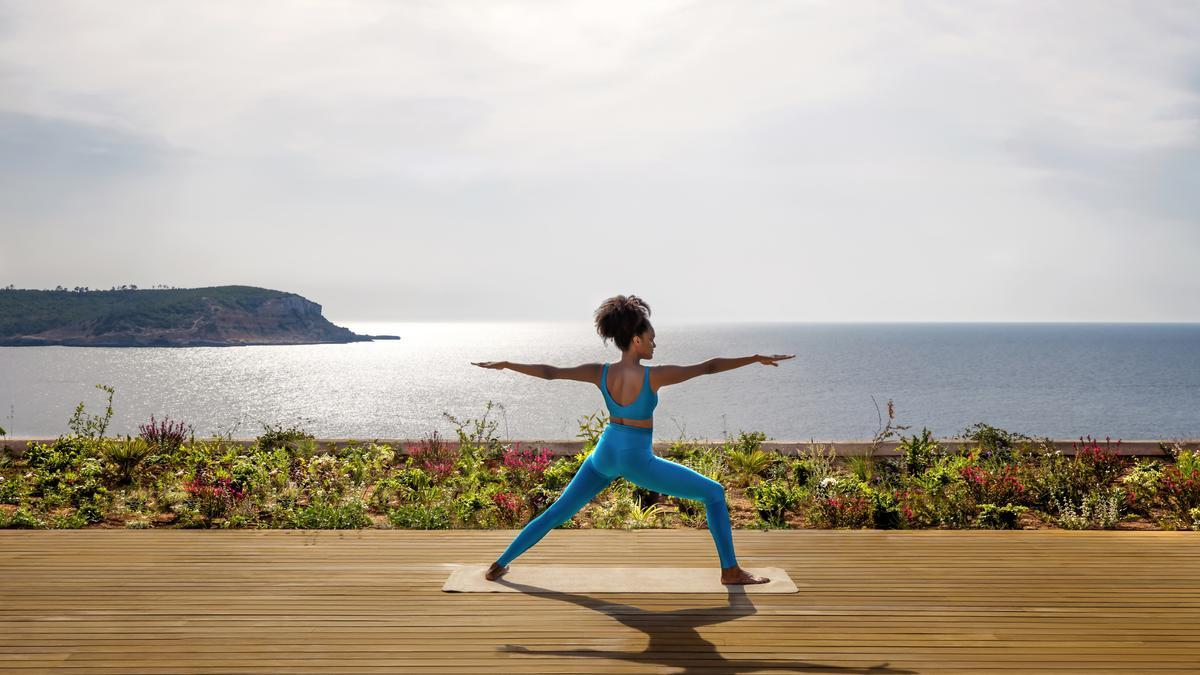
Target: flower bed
[{"x": 995, "y": 479}]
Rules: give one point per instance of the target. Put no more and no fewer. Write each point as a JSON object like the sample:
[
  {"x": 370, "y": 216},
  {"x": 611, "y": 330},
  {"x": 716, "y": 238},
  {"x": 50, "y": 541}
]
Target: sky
[{"x": 726, "y": 161}]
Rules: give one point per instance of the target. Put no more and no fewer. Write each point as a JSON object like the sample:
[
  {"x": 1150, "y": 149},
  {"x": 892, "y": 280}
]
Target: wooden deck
[{"x": 288, "y": 601}]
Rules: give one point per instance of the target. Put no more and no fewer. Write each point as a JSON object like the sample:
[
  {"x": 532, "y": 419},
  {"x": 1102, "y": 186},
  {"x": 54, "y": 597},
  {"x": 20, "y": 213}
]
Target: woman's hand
[
  {"x": 771, "y": 360},
  {"x": 498, "y": 365}
]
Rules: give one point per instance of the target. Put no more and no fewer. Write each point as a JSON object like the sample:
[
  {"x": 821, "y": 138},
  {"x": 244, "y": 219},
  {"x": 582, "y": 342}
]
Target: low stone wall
[{"x": 15, "y": 447}]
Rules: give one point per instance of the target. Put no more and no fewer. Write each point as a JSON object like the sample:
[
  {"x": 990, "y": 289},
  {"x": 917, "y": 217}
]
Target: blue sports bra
[{"x": 642, "y": 407}]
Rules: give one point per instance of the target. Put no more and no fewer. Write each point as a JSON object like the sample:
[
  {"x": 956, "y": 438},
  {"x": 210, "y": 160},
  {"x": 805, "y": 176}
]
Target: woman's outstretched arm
[
  {"x": 666, "y": 375},
  {"x": 588, "y": 372}
]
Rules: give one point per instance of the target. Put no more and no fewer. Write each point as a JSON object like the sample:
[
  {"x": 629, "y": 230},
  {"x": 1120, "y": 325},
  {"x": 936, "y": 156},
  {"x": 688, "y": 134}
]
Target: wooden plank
[{"x": 194, "y": 601}]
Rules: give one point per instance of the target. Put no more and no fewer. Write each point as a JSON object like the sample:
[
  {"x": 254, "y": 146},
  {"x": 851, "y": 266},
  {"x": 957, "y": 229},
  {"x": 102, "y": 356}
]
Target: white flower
[{"x": 829, "y": 482}]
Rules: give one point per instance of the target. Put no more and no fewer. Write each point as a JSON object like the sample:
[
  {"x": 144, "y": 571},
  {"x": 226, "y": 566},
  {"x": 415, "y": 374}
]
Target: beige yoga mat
[{"x": 578, "y": 579}]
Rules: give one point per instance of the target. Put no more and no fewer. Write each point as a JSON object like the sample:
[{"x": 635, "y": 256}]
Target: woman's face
[{"x": 644, "y": 344}]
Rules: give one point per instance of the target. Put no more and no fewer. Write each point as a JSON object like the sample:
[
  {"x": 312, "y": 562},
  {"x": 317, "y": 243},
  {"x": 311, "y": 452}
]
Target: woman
[{"x": 624, "y": 448}]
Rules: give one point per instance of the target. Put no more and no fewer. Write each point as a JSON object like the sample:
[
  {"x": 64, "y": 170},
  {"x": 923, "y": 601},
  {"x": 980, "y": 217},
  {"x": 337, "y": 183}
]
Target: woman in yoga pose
[{"x": 624, "y": 448}]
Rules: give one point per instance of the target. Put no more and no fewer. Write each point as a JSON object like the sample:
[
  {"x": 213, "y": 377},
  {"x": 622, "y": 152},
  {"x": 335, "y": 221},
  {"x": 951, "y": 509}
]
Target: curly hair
[{"x": 621, "y": 317}]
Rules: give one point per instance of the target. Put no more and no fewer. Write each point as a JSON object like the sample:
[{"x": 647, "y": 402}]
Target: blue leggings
[{"x": 625, "y": 450}]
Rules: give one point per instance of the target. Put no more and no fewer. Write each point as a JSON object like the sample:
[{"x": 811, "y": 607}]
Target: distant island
[{"x": 217, "y": 316}]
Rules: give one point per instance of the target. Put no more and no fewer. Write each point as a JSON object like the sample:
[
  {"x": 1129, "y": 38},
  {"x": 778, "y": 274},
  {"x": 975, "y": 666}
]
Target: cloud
[{"x": 740, "y": 149}]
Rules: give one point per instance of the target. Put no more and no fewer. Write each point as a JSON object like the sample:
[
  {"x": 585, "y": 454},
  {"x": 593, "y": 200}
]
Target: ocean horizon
[{"x": 1062, "y": 380}]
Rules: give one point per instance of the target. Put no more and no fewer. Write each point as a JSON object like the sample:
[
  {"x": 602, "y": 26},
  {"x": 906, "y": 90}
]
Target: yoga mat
[{"x": 577, "y": 579}]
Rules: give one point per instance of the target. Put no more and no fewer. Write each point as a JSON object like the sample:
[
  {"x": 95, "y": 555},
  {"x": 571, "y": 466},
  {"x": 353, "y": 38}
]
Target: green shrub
[
  {"x": 993, "y": 442},
  {"x": 473, "y": 509},
  {"x": 1000, "y": 517},
  {"x": 92, "y": 426},
  {"x": 814, "y": 464},
  {"x": 557, "y": 475},
  {"x": 322, "y": 515},
  {"x": 12, "y": 489},
  {"x": 886, "y": 513},
  {"x": 613, "y": 512},
  {"x": 1053, "y": 479},
  {"x": 917, "y": 453},
  {"x": 646, "y": 517},
  {"x": 420, "y": 517},
  {"x": 1141, "y": 485},
  {"x": 70, "y": 521},
  {"x": 290, "y": 438},
  {"x": 772, "y": 501},
  {"x": 126, "y": 456},
  {"x": 748, "y": 465},
  {"x": 25, "y": 519},
  {"x": 1100, "y": 509},
  {"x": 841, "y": 502}
]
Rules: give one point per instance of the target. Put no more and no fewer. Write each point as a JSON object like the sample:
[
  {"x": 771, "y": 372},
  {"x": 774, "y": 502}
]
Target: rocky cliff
[{"x": 187, "y": 317}]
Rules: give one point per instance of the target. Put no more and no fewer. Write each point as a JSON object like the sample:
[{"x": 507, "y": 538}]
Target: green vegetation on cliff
[{"x": 212, "y": 316}]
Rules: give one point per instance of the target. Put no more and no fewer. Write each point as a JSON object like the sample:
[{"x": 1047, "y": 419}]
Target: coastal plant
[
  {"x": 773, "y": 501},
  {"x": 508, "y": 507},
  {"x": 213, "y": 494},
  {"x": 539, "y": 498},
  {"x": 85, "y": 425},
  {"x": 886, "y": 430},
  {"x": 745, "y": 441},
  {"x": 331, "y": 515},
  {"x": 890, "y": 508},
  {"x": 991, "y": 442},
  {"x": 646, "y": 517},
  {"x": 164, "y": 435},
  {"x": 815, "y": 464},
  {"x": 1054, "y": 478},
  {"x": 326, "y": 477},
  {"x": 434, "y": 456},
  {"x": 842, "y": 510},
  {"x": 420, "y": 517},
  {"x": 24, "y": 518},
  {"x": 996, "y": 517},
  {"x": 1100, "y": 509},
  {"x": 1179, "y": 488},
  {"x": 707, "y": 461},
  {"x": 918, "y": 452},
  {"x": 68, "y": 521},
  {"x": 13, "y": 489},
  {"x": 861, "y": 467},
  {"x": 524, "y": 468},
  {"x": 410, "y": 481},
  {"x": 366, "y": 464},
  {"x": 691, "y": 512},
  {"x": 1103, "y": 464},
  {"x": 125, "y": 456},
  {"x": 1141, "y": 485},
  {"x": 614, "y": 512},
  {"x": 992, "y": 485},
  {"x": 940, "y": 496},
  {"x": 478, "y": 436},
  {"x": 747, "y": 465},
  {"x": 590, "y": 428},
  {"x": 473, "y": 509},
  {"x": 291, "y": 438}
]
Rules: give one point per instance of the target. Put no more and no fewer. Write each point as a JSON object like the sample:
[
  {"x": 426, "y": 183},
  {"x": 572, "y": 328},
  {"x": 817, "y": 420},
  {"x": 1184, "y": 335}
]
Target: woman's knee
[{"x": 712, "y": 492}]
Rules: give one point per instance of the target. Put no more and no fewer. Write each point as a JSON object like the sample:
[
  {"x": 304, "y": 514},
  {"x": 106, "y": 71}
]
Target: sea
[{"x": 1059, "y": 380}]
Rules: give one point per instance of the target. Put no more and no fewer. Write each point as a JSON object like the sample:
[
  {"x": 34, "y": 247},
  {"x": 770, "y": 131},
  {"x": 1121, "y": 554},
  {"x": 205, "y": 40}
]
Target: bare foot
[
  {"x": 495, "y": 571},
  {"x": 737, "y": 575}
]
